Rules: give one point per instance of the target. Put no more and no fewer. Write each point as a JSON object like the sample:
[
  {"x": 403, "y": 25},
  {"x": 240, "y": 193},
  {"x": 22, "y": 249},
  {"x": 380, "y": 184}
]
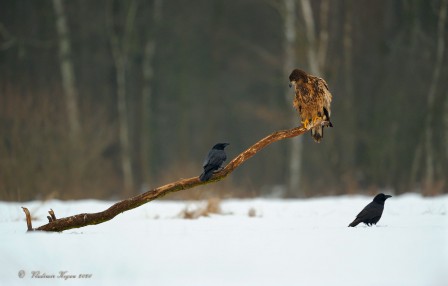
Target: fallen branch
[{"x": 85, "y": 219}]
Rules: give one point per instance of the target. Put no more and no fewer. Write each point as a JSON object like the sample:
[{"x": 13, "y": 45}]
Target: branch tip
[
  {"x": 28, "y": 219},
  {"x": 53, "y": 216}
]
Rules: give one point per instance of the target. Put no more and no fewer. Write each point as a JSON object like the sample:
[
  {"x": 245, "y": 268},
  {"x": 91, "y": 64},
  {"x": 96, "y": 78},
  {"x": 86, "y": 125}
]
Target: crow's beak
[{"x": 387, "y": 196}]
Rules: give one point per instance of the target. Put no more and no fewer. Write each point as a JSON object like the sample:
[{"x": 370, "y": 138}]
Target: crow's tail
[
  {"x": 354, "y": 223},
  {"x": 206, "y": 175}
]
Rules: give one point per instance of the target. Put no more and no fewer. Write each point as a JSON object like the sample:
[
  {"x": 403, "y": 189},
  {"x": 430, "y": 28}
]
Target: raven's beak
[{"x": 387, "y": 196}]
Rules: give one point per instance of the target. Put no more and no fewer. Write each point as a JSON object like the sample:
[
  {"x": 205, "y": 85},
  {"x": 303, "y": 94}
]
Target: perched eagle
[{"x": 312, "y": 101}]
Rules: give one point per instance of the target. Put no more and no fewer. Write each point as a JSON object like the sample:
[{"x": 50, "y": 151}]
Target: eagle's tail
[{"x": 317, "y": 133}]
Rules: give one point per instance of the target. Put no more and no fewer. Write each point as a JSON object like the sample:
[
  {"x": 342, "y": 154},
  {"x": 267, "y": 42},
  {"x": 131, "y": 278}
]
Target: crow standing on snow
[
  {"x": 214, "y": 160},
  {"x": 371, "y": 214}
]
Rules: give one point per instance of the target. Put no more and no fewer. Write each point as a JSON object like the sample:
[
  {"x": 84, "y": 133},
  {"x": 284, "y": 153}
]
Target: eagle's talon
[
  {"x": 306, "y": 124},
  {"x": 317, "y": 120}
]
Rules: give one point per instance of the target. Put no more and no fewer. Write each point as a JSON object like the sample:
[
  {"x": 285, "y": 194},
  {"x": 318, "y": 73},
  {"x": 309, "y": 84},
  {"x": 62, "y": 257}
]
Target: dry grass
[
  {"x": 252, "y": 212},
  {"x": 211, "y": 206},
  {"x": 38, "y": 157}
]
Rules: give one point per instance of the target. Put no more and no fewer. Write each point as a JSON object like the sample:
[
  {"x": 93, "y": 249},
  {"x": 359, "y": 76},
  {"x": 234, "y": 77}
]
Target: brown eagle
[{"x": 312, "y": 101}]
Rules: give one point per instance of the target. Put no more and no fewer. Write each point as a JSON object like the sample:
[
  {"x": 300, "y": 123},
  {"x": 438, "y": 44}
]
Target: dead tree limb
[
  {"x": 85, "y": 219},
  {"x": 28, "y": 219}
]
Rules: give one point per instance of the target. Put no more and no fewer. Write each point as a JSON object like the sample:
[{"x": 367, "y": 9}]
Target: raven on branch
[{"x": 213, "y": 161}]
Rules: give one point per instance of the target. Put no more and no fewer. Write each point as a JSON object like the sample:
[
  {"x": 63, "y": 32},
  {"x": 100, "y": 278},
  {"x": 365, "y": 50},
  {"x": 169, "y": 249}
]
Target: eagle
[{"x": 312, "y": 102}]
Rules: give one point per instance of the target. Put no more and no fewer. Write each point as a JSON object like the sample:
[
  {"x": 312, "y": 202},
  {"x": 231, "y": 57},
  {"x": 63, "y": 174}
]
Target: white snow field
[{"x": 288, "y": 242}]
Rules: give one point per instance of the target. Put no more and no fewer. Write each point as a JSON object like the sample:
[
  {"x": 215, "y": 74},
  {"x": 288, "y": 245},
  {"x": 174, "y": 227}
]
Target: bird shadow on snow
[{"x": 373, "y": 226}]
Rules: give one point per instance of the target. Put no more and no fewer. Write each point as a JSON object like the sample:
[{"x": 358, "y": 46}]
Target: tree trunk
[
  {"x": 123, "y": 125},
  {"x": 310, "y": 31},
  {"x": 349, "y": 138},
  {"x": 120, "y": 50},
  {"x": 445, "y": 119},
  {"x": 429, "y": 146},
  {"x": 316, "y": 54},
  {"x": 290, "y": 62},
  {"x": 67, "y": 71},
  {"x": 323, "y": 34},
  {"x": 148, "y": 73}
]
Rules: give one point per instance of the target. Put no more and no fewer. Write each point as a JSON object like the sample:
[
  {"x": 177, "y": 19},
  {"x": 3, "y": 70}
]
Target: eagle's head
[{"x": 297, "y": 76}]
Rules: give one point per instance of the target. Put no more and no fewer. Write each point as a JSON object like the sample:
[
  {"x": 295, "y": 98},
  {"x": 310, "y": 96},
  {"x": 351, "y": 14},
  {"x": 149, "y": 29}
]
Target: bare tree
[
  {"x": 445, "y": 113},
  {"x": 429, "y": 146},
  {"x": 316, "y": 45},
  {"x": 147, "y": 90},
  {"x": 67, "y": 70},
  {"x": 289, "y": 63},
  {"x": 349, "y": 138},
  {"x": 316, "y": 55},
  {"x": 323, "y": 34},
  {"x": 120, "y": 51},
  {"x": 310, "y": 32}
]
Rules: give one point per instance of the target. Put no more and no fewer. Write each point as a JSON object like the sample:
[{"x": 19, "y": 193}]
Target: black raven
[
  {"x": 371, "y": 214},
  {"x": 213, "y": 162}
]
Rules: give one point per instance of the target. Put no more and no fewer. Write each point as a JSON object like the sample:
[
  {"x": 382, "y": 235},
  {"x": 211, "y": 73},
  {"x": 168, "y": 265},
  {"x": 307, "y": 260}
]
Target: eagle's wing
[
  {"x": 320, "y": 107},
  {"x": 326, "y": 98},
  {"x": 325, "y": 93}
]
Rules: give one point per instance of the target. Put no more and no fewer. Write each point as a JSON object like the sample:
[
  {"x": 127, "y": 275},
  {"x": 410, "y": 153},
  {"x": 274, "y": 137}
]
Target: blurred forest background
[{"x": 105, "y": 99}]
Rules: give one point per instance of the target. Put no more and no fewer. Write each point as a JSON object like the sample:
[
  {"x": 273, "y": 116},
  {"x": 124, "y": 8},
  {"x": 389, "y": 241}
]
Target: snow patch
[{"x": 288, "y": 242}]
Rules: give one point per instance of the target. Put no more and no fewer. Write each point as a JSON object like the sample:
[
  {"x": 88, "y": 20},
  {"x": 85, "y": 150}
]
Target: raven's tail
[
  {"x": 206, "y": 175},
  {"x": 354, "y": 223}
]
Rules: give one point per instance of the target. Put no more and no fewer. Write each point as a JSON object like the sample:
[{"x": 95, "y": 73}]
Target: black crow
[
  {"x": 371, "y": 214},
  {"x": 214, "y": 160}
]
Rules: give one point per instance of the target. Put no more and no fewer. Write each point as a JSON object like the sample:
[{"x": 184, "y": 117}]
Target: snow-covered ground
[{"x": 288, "y": 242}]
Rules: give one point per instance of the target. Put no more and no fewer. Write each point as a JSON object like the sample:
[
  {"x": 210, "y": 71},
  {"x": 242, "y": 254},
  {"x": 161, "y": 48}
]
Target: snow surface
[{"x": 289, "y": 242}]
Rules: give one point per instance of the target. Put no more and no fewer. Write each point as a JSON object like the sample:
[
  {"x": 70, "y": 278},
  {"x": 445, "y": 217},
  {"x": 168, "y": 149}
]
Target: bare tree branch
[
  {"x": 28, "y": 219},
  {"x": 85, "y": 219}
]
